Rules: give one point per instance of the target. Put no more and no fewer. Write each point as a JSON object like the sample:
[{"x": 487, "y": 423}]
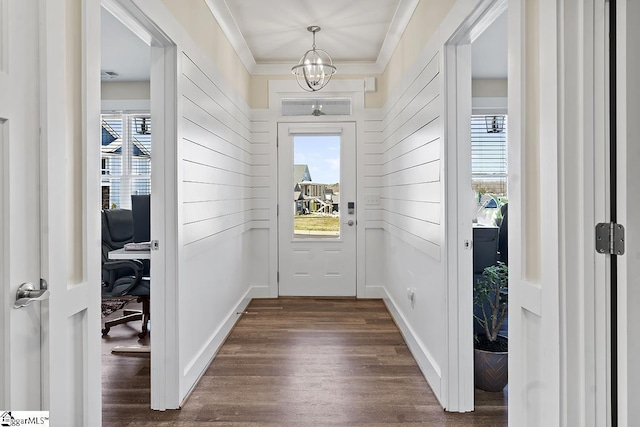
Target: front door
[
  {"x": 51, "y": 352},
  {"x": 317, "y": 211}
]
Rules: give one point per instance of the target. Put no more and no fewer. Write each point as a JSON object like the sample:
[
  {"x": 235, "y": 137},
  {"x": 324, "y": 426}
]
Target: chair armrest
[
  {"x": 132, "y": 264},
  {"x": 132, "y": 267}
]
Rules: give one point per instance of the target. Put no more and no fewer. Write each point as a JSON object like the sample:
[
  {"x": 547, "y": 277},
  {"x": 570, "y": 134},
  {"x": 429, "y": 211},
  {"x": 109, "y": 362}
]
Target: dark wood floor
[{"x": 295, "y": 361}]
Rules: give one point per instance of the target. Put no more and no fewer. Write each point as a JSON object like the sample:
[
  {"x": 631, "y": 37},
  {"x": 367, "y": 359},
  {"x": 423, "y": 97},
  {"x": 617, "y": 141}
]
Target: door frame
[
  {"x": 319, "y": 128},
  {"x": 458, "y": 257},
  {"x": 165, "y": 375},
  {"x": 281, "y": 89}
]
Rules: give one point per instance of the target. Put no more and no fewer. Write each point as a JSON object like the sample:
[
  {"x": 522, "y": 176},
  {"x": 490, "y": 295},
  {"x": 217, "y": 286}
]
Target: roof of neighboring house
[
  {"x": 301, "y": 173},
  {"x": 112, "y": 143}
]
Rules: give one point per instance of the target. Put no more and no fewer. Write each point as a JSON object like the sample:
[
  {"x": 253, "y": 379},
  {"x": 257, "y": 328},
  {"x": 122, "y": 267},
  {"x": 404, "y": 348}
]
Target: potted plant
[{"x": 490, "y": 355}]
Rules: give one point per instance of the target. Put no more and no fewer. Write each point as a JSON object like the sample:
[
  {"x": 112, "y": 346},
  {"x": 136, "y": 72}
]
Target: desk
[{"x": 122, "y": 254}]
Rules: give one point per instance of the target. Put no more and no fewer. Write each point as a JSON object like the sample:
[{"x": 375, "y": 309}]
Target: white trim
[
  {"x": 125, "y": 105},
  {"x": 165, "y": 379},
  {"x": 230, "y": 28},
  {"x": 399, "y": 23},
  {"x": 489, "y": 105},
  {"x": 426, "y": 362},
  {"x": 348, "y": 88},
  {"x": 120, "y": 12},
  {"x": 458, "y": 262},
  {"x": 196, "y": 368}
]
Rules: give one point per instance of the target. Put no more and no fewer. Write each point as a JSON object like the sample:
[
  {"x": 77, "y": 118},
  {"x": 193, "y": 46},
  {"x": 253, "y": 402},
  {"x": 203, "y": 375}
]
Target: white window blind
[
  {"x": 488, "y": 155},
  {"x": 126, "y": 158}
]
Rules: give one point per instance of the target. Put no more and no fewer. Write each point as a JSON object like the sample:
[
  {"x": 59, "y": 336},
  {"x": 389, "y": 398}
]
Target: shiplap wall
[
  {"x": 219, "y": 201},
  {"x": 411, "y": 207}
]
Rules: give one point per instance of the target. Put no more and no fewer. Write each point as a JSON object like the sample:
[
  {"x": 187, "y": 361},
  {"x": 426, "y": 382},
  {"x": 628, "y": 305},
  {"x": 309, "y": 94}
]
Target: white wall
[
  {"x": 216, "y": 201},
  {"x": 218, "y": 267},
  {"x": 411, "y": 213}
]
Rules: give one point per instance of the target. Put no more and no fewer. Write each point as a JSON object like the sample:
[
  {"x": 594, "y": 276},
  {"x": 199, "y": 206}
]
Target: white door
[
  {"x": 51, "y": 348},
  {"x": 534, "y": 235},
  {"x": 628, "y": 212},
  {"x": 317, "y": 211}
]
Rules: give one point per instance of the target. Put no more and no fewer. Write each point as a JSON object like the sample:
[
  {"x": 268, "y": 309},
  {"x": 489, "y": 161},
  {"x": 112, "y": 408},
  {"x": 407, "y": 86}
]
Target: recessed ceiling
[
  {"x": 271, "y": 36},
  {"x": 122, "y": 51},
  {"x": 489, "y": 51}
]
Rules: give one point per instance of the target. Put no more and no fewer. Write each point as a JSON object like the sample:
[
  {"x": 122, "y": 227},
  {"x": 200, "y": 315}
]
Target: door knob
[
  {"x": 27, "y": 293},
  {"x": 350, "y": 223}
]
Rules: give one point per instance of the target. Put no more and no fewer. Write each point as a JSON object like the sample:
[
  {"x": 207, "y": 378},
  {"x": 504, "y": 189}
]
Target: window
[
  {"x": 126, "y": 158},
  {"x": 489, "y": 154}
]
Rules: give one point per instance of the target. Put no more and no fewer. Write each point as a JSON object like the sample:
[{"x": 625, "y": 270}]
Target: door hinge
[
  {"x": 610, "y": 238},
  {"x": 278, "y": 210},
  {"x": 278, "y": 277}
]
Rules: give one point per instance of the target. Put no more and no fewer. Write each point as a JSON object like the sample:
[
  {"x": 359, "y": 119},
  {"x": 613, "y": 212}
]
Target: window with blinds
[
  {"x": 489, "y": 154},
  {"x": 126, "y": 158}
]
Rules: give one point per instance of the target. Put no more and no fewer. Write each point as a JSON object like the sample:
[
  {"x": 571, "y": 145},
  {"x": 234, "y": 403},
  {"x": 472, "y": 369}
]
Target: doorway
[
  {"x": 462, "y": 199},
  {"x": 161, "y": 72},
  {"x": 317, "y": 212}
]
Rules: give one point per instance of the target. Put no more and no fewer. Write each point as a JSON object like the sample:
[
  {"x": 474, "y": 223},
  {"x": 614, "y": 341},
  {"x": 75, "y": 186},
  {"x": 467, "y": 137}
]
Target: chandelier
[{"x": 315, "y": 68}]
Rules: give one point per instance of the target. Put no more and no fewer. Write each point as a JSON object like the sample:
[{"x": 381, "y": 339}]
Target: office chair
[{"x": 122, "y": 278}]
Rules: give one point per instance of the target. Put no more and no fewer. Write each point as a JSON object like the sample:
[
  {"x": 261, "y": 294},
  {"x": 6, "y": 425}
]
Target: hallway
[{"x": 296, "y": 361}]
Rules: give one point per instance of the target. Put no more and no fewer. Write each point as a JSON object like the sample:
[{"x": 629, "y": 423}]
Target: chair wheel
[{"x": 105, "y": 331}]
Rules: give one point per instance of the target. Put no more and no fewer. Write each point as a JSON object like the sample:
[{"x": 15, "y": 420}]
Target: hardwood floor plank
[{"x": 295, "y": 361}]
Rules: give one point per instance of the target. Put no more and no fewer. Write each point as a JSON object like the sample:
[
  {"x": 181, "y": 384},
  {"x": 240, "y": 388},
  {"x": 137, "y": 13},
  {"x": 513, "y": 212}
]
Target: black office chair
[{"x": 122, "y": 278}]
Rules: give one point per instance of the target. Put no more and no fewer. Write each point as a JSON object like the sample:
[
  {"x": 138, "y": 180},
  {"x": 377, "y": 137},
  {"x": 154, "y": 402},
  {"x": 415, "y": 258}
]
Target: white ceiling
[
  {"x": 489, "y": 51},
  {"x": 122, "y": 51},
  {"x": 360, "y": 35},
  {"x": 271, "y": 36}
]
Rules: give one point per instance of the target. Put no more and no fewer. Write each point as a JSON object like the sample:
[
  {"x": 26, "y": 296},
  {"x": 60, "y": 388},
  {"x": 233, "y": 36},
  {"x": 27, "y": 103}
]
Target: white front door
[
  {"x": 49, "y": 209},
  {"x": 317, "y": 211}
]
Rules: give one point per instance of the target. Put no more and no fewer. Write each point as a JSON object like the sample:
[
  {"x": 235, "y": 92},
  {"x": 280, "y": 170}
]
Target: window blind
[{"x": 488, "y": 156}]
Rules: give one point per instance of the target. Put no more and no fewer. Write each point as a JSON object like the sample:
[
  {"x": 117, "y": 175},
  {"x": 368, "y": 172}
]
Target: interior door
[
  {"x": 20, "y": 260},
  {"x": 534, "y": 228},
  {"x": 625, "y": 369},
  {"x": 317, "y": 211},
  {"x": 49, "y": 207}
]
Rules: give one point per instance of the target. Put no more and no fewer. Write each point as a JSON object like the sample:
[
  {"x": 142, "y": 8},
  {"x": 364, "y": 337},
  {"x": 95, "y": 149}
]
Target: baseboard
[
  {"x": 425, "y": 360},
  {"x": 377, "y": 292},
  {"x": 199, "y": 364}
]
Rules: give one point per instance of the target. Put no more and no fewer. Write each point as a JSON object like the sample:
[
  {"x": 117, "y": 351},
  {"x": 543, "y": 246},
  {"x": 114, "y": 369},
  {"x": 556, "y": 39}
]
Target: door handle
[
  {"x": 27, "y": 293},
  {"x": 350, "y": 223}
]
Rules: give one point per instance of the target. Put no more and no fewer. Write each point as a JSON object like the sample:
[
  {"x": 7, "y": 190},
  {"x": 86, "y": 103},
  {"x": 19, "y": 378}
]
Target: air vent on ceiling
[{"x": 108, "y": 75}]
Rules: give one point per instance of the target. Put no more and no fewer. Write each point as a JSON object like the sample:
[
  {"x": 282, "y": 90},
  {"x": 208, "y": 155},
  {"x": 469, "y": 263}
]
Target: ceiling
[
  {"x": 489, "y": 51},
  {"x": 360, "y": 35},
  {"x": 122, "y": 51},
  {"x": 270, "y": 37}
]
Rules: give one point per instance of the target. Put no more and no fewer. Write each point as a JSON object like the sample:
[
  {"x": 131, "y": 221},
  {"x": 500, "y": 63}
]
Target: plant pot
[{"x": 491, "y": 370}]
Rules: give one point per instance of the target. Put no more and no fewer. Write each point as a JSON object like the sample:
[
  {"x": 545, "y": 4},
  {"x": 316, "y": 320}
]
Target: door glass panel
[{"x": 316, "y": 186}]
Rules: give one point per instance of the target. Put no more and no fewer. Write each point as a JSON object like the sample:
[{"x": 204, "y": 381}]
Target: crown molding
[
  {"x": 228, "y": 24},
  {"x": 399, "y": 22},
  {"x": 343, "y": 68}
]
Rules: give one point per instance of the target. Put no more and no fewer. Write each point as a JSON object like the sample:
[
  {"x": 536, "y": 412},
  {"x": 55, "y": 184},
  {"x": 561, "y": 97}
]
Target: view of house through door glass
[
  {"x": 317, "y": 212},
  {"x": 316, "y": 197}
]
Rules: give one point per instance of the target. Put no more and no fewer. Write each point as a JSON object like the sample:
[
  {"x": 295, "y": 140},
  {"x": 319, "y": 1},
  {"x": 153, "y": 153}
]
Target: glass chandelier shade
[{"x": 315, "y": 68}]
